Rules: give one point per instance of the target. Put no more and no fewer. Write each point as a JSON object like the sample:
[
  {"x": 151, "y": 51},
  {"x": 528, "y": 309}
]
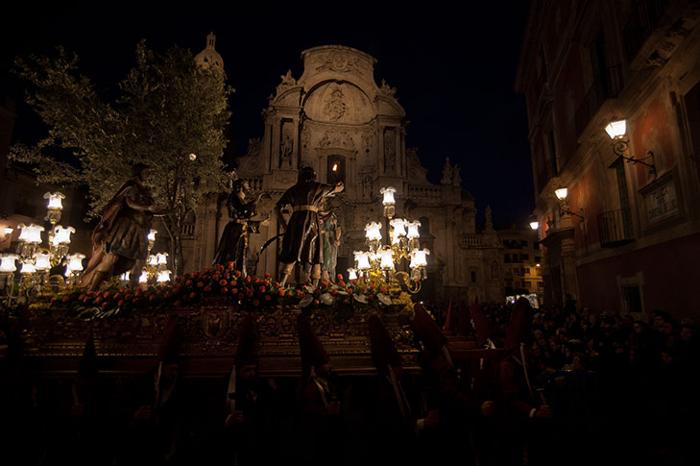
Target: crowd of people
[
  {"x": 499, "y": 384},
  {"x": 620, "y": 385}
]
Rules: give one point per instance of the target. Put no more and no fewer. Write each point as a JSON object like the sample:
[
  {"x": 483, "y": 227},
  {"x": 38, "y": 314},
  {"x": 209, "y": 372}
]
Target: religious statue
[
  {"x": 286, "y": 152},
  {"x": 301, "y": 242},
  {"x": 233, "y": 245},
  {"x": 330, "y": 238},
  {"x": 120, "y": 240}
]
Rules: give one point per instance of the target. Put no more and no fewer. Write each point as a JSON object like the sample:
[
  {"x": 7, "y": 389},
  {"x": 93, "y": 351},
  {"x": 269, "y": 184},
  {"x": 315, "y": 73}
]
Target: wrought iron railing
[{"x": 615, "y": 228}]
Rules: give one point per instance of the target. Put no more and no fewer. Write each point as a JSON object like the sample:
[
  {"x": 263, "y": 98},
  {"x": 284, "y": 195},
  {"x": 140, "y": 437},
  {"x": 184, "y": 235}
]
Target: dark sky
[{"x": 454, "y": 67}]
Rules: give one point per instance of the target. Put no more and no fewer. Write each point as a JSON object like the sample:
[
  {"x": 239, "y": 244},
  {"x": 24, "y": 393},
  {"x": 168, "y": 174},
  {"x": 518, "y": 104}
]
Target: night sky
[{"x": 454, "y": 70}]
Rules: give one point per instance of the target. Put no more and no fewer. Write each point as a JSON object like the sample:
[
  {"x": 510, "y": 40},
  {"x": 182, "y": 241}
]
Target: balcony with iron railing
[{"x": 615, "y": 228}]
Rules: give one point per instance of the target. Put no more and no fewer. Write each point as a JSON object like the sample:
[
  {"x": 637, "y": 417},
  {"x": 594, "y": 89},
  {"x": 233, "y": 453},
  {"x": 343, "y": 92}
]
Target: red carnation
[
  {"x": 230, "y": 265},
  {"x": 207, "y": 289},
  {"x": 234, "y": 290},
  {"x": 193, "y": 295},
  {"x": 238, "y": 273},
  {"x": 262, "y": 289},
  {"x": 223, "y": 283},
  {"x": 268, "y": 297},
  {"x": 267, "y": 275},
  {"x": 121, "y": 303},
  {"x": 105, "y": 306},
  {"x": 249, "y": 292},
  {"x": 224, "y": 290},
  {"x": 281, "y": 291},
  {"x": 188, "y": 283},
  {"x": 248, "y": 279},
  {"x": 200, "y": 284}
]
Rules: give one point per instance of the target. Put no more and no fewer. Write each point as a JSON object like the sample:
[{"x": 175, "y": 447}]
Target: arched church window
[{"x": 336, "y": 169}]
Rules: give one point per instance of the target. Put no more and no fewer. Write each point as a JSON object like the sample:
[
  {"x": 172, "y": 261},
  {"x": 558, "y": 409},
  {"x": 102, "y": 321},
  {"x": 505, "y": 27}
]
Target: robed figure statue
[
  {"x": 120, "y": 240},
  {"x": 233, "y": 245},
  {"x": 301, "y": 242},
  {"x": 330, "y": 235}
]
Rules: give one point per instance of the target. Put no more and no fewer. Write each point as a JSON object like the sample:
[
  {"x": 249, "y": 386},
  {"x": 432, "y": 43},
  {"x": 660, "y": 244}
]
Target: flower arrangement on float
[{"x": 223, "y": 285}]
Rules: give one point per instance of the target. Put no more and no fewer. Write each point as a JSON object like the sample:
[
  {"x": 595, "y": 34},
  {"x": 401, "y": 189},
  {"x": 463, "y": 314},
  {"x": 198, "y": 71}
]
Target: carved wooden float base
[{"x": 129, "y": 344}]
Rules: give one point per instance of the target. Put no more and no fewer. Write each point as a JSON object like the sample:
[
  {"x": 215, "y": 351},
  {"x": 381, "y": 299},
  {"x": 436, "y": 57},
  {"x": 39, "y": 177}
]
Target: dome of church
[{"x": 209, "y": 58}]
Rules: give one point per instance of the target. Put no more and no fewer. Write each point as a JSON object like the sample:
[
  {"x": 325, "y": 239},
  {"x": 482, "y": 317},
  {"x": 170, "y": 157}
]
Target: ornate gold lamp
[{"x": 396, "y": 259}]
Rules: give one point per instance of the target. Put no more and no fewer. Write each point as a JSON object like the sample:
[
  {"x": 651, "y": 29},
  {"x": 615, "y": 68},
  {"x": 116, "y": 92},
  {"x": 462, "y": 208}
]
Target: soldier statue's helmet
[{"x": 307, "y": 174}]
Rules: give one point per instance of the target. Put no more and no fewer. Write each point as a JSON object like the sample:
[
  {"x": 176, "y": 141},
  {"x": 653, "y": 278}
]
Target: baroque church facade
[{"x": 338, "y": 120}]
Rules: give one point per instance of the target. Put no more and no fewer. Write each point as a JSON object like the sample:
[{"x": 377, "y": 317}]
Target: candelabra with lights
[
  {"x": 395, "y": 259},
  {"x": 36, "y": 258},
  {"x": 156, "y": 268}
]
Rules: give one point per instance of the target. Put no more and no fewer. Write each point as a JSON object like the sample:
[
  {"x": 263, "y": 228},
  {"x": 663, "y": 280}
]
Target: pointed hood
[
  {"x": 313, "y": 354},
  {"x": 247, "y": 349},
  {"x": 427, "y": 330},
  {"x": 383, "y": 349},
  {"x": 171, "y": 343}
]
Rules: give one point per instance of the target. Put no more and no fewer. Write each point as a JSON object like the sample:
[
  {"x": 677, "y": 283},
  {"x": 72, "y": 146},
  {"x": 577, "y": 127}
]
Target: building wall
[{"x": 636, "y": 60}]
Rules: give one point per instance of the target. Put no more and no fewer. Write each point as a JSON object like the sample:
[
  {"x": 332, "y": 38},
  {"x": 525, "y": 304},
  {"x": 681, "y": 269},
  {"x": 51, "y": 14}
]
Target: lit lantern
[
  {"x": 143, "y": 278},
  {"x": 388, "y": 194},
  {"x": 42, "y": 261},
  {"x": 362, "y": 259},
  {"x": 399, "y": 226},
  {"x": 164, "y": 276},
  {"x": 7, "y": 263},
  {"x": 193, "y": 157},
  {"x": 61, "y": 235},
  {"x": 386, "y": 258},
  {"x": 55, "y": 200},
  {"x": 561, "y": 193},
  {"x": 30, "y": 234},
  {"x": 27, "y": 268},
  {"x": 352, "y": 274},
  {"x": 152, "y": 260},
  {"x": 152, "y": 235},
  {"x": 413, "y": 229},
  {"x": 534, "y": 225},
  {"x": 372, "y": 232},
  {"x": 616, "y": 129},
  {"x": 162, "y": 258},
  {"x": 75, "y": 263},
  {"x": 125, "y": 277},
  {"x": 419, "y": 258}
]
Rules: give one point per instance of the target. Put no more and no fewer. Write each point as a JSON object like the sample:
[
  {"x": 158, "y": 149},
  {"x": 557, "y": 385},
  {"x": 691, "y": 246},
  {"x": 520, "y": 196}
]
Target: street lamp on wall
[
  {"x": 617, "y": 130},
  {"x": 561, "y": 194}
]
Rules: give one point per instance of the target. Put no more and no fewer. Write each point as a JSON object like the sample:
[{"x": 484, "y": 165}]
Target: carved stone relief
[
  {"x": 334, "y": 106},
  {"x": 339, "y": 62},
  {"x": 336, "y": 139}
]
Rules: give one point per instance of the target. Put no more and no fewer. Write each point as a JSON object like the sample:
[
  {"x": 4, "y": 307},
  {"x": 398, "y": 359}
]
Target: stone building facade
[
  {"x": 338, "y": 120},
  {"x": 522, "y": 259},
  {"x": 627, "y": 237}
]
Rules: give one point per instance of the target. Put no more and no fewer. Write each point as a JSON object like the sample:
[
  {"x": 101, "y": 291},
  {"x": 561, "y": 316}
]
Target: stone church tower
[{"x": 338, "y": 120}]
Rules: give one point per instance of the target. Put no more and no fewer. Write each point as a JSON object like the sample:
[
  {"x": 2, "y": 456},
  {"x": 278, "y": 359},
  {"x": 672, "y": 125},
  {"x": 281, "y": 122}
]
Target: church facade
[{"x": 338, "y": 120}]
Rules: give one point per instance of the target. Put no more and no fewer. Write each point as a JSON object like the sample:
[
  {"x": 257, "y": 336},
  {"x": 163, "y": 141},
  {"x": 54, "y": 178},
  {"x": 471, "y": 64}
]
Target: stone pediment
[{"x": 338, "y": 60}]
